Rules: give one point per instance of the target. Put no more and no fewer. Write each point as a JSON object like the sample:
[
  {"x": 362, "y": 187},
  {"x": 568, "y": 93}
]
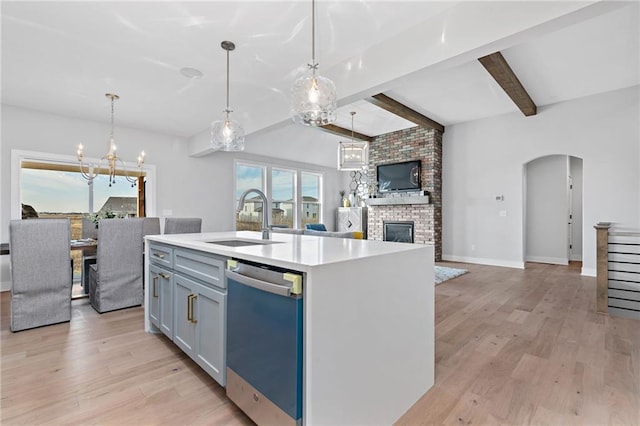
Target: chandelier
[
  {"x": 353, "y": 155},
  {"x": 91, "y": 171},
  {"x": 227, "y": 135},
  {"x": 313, "y": 97}
]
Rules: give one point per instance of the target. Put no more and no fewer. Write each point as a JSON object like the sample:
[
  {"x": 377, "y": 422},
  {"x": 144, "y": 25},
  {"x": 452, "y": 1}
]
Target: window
[
  {"x": 283, "y": 204},
  {"x": 49, "y": 190},
  {"x": 311, "y": 205},
  {"x": 294, "y": 196},
  {"x": 249, "y": 176}
]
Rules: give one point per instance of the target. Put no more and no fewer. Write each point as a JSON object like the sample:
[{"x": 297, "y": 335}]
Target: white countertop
[{"x": 300, "y": 252}]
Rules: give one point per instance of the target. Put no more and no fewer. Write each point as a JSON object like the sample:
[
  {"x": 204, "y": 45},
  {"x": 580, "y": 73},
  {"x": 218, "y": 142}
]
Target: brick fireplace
[{"x": 404, "y": 145}]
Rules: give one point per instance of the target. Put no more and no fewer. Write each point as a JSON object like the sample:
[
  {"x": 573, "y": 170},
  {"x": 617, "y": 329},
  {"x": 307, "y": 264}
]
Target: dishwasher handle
[{"x": 278, "y": 289}]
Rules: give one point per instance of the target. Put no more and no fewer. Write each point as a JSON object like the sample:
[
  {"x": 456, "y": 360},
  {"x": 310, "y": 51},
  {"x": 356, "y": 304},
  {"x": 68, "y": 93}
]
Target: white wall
[
  {"x": 547, "y": 210},
  {"x": 485, "y": 158},
  {"x": 186, "y": 186}
]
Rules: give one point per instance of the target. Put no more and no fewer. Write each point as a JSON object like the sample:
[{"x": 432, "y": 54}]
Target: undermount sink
[{"x": 242, "y": 243}]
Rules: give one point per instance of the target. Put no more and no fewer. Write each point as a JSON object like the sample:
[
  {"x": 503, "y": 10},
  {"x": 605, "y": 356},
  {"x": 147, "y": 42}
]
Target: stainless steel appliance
[{"x": 264, "y": 342}]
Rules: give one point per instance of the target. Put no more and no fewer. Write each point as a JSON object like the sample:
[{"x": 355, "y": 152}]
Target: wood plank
[
  {"x": 500, "y": 70},
  {"x": 389, "y": 104},
  {"x": 341, "y": 131}
]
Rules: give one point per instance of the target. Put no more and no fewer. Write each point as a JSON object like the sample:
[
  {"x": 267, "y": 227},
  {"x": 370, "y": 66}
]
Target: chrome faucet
[{"x": 265, "y": 212}]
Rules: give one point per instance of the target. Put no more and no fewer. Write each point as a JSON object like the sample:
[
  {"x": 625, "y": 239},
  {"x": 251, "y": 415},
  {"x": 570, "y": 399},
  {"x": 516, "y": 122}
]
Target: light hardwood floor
[{"x": 512, "y": 347}]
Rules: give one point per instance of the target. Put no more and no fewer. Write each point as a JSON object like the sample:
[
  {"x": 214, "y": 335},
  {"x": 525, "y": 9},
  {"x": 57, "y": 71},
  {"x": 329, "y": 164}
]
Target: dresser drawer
[
  {"x": 162, "y": 255},
  {"x": 205, "y": 267}
]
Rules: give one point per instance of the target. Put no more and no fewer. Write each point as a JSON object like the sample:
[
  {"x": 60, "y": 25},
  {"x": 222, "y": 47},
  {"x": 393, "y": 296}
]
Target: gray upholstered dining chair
[
  {"x": 40, "y": 272},
  {"x": 151, "y": 226},
  {"x": 115, "y": 281},
  {"x": 182, "y": 225}
]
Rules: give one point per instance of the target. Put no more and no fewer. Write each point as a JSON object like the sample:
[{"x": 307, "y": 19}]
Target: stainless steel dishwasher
[{"x": 264, "y": 342}]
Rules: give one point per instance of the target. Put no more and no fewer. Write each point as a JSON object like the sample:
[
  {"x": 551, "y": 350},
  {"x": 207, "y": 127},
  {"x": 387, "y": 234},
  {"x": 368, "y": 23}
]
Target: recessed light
[{"x": 191, "y": 72}]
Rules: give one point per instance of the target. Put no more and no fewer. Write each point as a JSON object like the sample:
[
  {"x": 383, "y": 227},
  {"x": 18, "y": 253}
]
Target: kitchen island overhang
[{"x": 368, "y": 319}]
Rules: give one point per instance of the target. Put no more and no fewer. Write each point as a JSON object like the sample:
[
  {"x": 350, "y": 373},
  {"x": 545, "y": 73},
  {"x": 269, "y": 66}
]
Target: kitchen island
[{"x": 368, "y": 322}]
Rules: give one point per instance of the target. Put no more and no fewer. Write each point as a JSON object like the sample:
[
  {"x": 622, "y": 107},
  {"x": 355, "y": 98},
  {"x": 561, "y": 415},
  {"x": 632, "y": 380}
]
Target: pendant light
[
  {"x": 111, "y": 160},
  {"x": 313, "y": 97},
  {"x": 353, "y": 155},
  {"x": 227, "y": 135}
]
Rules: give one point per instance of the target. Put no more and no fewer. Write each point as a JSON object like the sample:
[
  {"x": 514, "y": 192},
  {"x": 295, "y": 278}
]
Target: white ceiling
[{"x": 62, "y": 57}]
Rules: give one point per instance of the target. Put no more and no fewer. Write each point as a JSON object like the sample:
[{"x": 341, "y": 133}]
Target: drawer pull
[
  {"x": 165, "y": 275},
  {"x": 155, "y": 286},
  {"x": 159, "y": 255},
  {"x": 190, "y": 299}
]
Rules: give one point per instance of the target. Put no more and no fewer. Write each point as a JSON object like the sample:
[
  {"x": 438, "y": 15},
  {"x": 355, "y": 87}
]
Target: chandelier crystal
[
  {"x": 313, "y": 97},
  {"x": 226, "y": 134},
  {"x": 91, "y": 171},
  {"x": 353, "y": 155}
]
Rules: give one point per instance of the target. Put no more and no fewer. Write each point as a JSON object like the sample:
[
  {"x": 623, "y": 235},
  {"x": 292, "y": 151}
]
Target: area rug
[{"x": 443, "y": 273}]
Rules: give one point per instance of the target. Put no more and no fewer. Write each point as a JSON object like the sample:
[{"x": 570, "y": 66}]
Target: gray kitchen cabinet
[
  {"x": 161, "y": 300},
  {"x": 199, "y": 309},
  {"x": 161, "y": 288},
  {"x": 187, "y": 302},
  {"x": 200, "y": 313}
]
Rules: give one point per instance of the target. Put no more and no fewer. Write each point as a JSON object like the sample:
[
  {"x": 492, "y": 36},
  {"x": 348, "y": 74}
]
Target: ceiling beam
[
  {"x": 385, "y": 102},
  {"x": 500, "y": 70},
  {"x": 341, "y": 131}
]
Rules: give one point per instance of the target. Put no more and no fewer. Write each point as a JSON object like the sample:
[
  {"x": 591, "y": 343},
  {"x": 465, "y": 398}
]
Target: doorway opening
[{"x": 553, "y": 226}]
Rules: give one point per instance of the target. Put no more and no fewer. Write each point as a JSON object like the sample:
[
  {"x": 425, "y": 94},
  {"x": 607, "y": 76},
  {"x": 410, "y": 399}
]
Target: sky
[{"x": 68, "y": 192}]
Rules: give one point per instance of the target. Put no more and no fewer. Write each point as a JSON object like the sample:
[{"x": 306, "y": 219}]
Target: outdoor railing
[{"x": 617, "y": 271}]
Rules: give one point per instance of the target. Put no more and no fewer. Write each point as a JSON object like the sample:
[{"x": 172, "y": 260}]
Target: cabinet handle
[
  {"x": 160, "y": 255},
  {"x": 190, "y": 300},
  {"x": 155, "y": 286},
  {"x": 165, "y": 275},
  {"x": 193, "y": 298}
]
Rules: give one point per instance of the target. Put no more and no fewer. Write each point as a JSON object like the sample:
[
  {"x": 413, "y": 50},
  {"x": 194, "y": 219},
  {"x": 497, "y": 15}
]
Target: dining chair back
[
  {"x": 182, "y": 225},
  {"x": 40, "y": 272},
  {"x": 151, "y": 226},
  {"x": 115, "y": 281}
]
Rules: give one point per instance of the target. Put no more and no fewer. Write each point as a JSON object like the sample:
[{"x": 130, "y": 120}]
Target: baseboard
[
  {"x": 553, "y": 260},
  {"x": 588, "y": 272},
  {"x": 484, "y": 261},
  {"x": 5, "y": 285},
  {"x": 575, "y": 258}
]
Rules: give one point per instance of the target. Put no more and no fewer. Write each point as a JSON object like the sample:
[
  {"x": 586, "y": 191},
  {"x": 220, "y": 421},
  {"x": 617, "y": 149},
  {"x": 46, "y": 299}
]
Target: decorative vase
[{"x": 345, "y": 202}]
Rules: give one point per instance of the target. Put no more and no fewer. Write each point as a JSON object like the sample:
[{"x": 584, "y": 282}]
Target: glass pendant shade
[
  {"x": 313, "y": 100},
  {"x": 353, "y": 155},
  {"x": 227, "y": 135}
]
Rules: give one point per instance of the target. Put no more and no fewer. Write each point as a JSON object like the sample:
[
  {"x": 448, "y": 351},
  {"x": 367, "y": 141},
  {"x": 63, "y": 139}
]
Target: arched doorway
[{"x": 553, "y": 209}]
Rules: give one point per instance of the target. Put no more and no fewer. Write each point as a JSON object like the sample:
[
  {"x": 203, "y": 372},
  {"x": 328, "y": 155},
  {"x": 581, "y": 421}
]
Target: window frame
[
  {"x": 20, "y": 156},
  {"x": 267, "y": 187}
]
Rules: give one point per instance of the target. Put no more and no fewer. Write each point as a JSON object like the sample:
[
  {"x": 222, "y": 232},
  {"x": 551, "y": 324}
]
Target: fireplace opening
[{"x": 401, "y": 232}]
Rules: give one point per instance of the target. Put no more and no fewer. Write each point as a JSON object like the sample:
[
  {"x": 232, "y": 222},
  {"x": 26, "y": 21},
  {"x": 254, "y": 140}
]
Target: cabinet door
[
  {"x": 154, "y": 295},
  {"x": 184, "y": 322},
  {"x": 210, "y": 311},
  {"x": 165, "y": 288},
  {"x": 350, "y": 219}
]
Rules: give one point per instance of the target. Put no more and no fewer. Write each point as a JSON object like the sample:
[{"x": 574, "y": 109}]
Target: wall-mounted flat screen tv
[{"x": 396, "y": 177}]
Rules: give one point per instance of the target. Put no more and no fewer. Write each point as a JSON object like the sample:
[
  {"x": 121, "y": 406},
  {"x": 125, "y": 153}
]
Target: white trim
[
  {"x": 484, "y": 261},
  {"x": 576, "y": 257},
  {"x": 588, "y": 272},
  {"x": 5, "y": 285},
  {"x": 17, "y": 156},
  {"x": 543, "y": 259}
]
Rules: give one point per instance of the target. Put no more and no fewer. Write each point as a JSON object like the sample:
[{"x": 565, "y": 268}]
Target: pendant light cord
[
  {"x": 313, "y": 34},
  {"x": 227, "y": 110}
]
